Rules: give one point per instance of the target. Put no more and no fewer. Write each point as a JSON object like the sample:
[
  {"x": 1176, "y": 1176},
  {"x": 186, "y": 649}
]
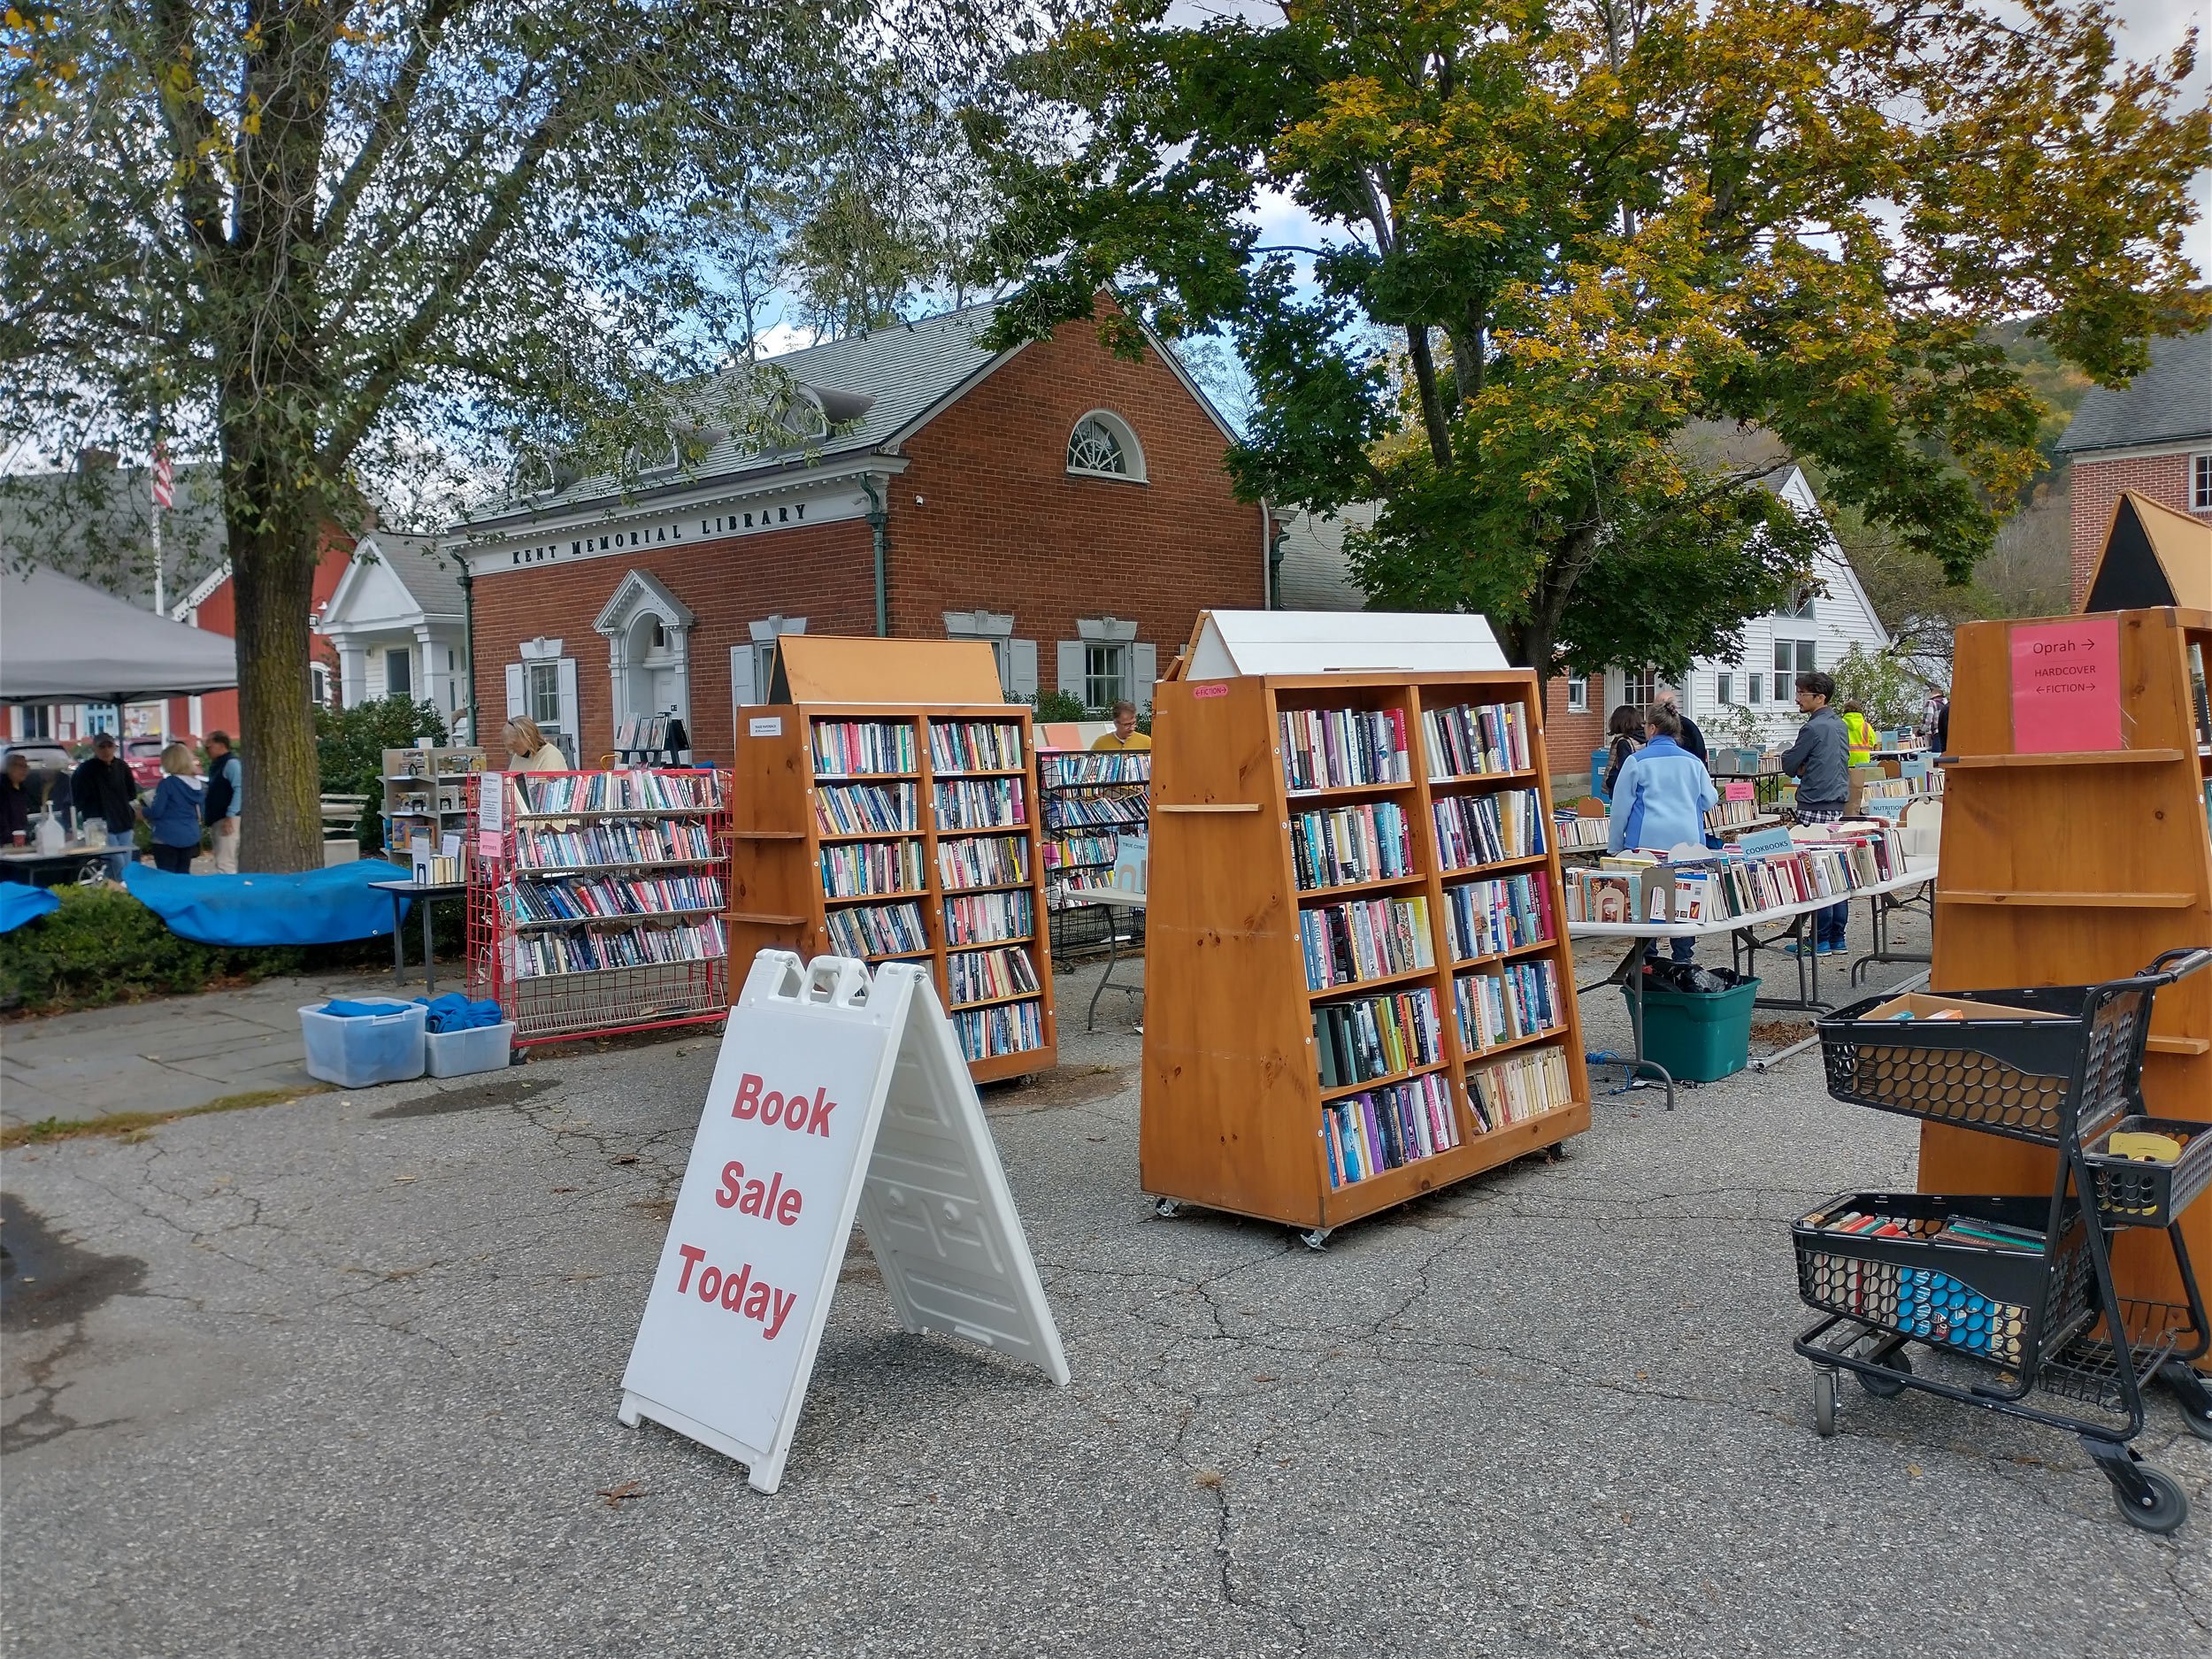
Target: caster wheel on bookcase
[
  {"x": 1824, "y": 1403},
  {"x": 1167, "y": 1209},
  {"x": 1887, "y": 1387},
  {"x": 1314, "y": 1238}
]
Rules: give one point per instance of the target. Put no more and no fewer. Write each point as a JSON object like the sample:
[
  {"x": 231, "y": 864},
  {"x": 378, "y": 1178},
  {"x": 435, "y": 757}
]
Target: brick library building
[{"x": 1066, "y": 504}]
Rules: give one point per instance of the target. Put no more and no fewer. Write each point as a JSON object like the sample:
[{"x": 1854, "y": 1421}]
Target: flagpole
[{"x": 160, "y": 606}]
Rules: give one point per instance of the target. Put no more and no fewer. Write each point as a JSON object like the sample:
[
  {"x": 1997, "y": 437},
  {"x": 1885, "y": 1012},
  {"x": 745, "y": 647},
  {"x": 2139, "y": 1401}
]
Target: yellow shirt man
[{"x": 1125, "y": 734}]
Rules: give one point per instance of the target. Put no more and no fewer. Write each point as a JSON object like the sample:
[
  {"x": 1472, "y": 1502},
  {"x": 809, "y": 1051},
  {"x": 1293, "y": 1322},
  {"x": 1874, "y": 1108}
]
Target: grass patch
[{"x": 130, "y": 1126}]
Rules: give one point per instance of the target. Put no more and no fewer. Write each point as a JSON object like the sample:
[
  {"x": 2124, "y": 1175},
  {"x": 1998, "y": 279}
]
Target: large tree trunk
[{"x": 272, "y": 576}]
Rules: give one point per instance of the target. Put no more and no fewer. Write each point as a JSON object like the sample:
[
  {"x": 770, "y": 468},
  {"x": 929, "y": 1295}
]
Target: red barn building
[{"x": 1061, "y": 503}]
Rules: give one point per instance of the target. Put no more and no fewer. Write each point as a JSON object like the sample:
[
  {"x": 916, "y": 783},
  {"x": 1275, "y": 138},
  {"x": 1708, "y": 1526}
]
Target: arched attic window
[{"x": 1103, "y": 446}]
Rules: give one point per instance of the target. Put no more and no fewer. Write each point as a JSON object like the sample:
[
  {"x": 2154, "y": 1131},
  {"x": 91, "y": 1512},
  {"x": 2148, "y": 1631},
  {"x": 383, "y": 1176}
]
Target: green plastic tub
[{"x": 1699, "y": 1037}]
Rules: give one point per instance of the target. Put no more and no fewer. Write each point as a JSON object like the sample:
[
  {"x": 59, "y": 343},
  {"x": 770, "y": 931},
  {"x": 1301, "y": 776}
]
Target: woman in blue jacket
[
  {"x": 175, "y": 812},
  {"x": 1661, "y": 797}
]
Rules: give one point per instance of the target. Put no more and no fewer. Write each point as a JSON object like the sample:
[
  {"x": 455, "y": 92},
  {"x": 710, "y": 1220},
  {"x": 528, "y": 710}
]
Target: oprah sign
[{"x": 2066, "y": 685}]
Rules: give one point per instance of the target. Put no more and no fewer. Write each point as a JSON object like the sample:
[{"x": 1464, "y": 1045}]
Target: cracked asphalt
[{"x": 340, "y": 1378}]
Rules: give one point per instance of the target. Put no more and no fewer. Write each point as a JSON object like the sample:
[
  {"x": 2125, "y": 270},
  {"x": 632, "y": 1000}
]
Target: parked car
[
  {"x": 50, "y": 767},
  {"x": 142, "y": 755}
]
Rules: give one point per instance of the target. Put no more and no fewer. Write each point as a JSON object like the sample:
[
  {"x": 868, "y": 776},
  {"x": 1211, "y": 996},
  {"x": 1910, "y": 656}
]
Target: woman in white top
[{"x": 530, "y": 749}]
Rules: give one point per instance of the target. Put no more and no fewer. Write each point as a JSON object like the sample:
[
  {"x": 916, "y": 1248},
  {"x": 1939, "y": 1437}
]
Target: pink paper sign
[
  {"x": 2066, "y": 685},
  {"x": 1740, "y": 790}
]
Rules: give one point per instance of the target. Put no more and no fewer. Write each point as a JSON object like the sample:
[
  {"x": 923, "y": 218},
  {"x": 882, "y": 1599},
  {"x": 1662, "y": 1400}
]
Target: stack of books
[
  {"x": 878, "y": 930},
  {"x": 538, "y": 955},
  {"x": 1487, "y": 917},
  {"x": 1473, "y": 830},
  {"x": 983, "y": 861},
  {"x": 856, "y": 869},
  {"x": 1337, "y": 748},
  {"x": 855, "y": 748},
  {"x": 613, "y": 844},
  {"x": 1519, "y": 1086},
  {"x": 1387, "y": 1128},
  {"x": 1349, "y": 844},
  {"x": 983, "y": 918},
  {"x": 1005, "y": 1028},
  {"x": 1365, "y": 1038},
  {"x": 985, "y": 976},
  {"x": 551, "y": 794},
  {"x": 580, "y": 898},
  {"x": 1365, "y": 939},
  {"x": 1474, "y": 738},
  {"x": 973, "y": 804},
  {"x": 864, "y": 808},
  {"x": 1520, "y": 1000},
  {"x": 974, "y": 745}
]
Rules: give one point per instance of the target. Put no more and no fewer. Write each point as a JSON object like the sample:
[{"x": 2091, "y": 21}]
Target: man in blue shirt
[{"x": 225, "y": 793}]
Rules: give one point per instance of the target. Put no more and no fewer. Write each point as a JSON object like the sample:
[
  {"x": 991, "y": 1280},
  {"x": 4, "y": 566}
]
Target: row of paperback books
[
  {"x": 1350, "y": 843},
  {"x": 551, "y": 794},
  {"x": 855, "y": 869},
  {"x": 845, "y": 748},
  {"x": 1118, "y": 808},
  {"x": 1074, "y": 768},
  {"x": 1731, "y": 814},
  {"x": 615, "y": 843},
  {"x": 1520, "y": 1000},
  {"x": 1476, "y": 738},
  {"x": 593, "y": 951},
  {"x": 983, "y": 918},
  {"x": 974, "y": 745},
  {"x": 972, "y": 803},
  {"x": 861, "y": 809},
  {"x": 878, "y": 930},
  {"x": 1573, "y": 832},
  {"x": 1008, "y": 1028},
  {"x": 1387, "y": 1128},
  {"x": 1069, "y": 853},
  {"x": 1473, "y": 830},
  {"x": 1485, "y": 918},
  {"x": 1519, "y": 1086},
  {"x": 580, "y": 898},
  {"x": 982, "y": 861},
  {"x": 1371, "y": 1037},
  {"x": 984, "y": 976},
  {"x": 1365, "y": 939},
  {"x": 1335, "y": 749}
]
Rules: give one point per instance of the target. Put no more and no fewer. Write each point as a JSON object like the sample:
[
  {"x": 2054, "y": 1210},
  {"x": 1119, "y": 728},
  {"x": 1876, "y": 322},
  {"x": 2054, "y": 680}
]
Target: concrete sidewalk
[{"x": 169, "y": 1055}]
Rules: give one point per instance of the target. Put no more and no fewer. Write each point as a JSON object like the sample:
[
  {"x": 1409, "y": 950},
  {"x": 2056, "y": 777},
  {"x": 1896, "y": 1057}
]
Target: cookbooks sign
[{"x": 838, "y": 1097}]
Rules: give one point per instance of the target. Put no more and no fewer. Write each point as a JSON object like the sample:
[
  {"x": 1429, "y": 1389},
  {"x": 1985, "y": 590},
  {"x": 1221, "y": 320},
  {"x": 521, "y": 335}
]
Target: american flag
[{"x": 164, "y": 477}]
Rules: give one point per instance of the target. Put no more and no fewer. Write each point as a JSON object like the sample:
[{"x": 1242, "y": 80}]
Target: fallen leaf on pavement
[{"x": 617, "y": 1495}]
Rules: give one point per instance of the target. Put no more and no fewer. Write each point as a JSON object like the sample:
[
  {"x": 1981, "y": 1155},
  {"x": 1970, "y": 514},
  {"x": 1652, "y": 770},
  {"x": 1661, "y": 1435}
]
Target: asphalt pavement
[{"x": 340, "y": 1378}]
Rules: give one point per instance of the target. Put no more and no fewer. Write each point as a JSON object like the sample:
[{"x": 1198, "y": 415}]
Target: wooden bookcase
[
  {"x": 777, "y": 889},
  {"x": 2068, "y": 869},
  {"x": 1233, "y": 1097}
]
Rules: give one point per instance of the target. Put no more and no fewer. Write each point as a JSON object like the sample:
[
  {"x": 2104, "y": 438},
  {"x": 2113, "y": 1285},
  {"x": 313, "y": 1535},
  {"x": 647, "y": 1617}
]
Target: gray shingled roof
[
  {"x": 2169, "y": 403},
  {"x": 96, "y": 526},
  {"x": 435, "y": 585},
  {"x": 890, "y": 377}
]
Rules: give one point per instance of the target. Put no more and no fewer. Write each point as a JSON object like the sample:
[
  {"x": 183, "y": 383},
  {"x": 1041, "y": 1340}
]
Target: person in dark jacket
[
  {"x": 1820, "y": 760},
  {"x": 174, "y": 811},
  {"x": 1624, "y": 736},
  {"x": 102, "y": 788},
  {"x": 1692, "y": 738},
  {"x": 220, "y": 806},
  {"x": 15, "y": 803}
]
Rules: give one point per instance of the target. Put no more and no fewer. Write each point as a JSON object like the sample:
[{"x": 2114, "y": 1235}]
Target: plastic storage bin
[
  {"x": 1700, "y": 1037},
  {"x": 480, "y": 1049},
  {"x": 365, "y": 1049}
]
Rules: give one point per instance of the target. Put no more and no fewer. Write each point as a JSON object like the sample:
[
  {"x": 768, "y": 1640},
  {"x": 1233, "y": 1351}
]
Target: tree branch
[{"x": 389, "y": 119}]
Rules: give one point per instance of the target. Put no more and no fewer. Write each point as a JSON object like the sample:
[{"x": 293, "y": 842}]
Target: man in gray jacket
[{"x": 1820, "y": 760}]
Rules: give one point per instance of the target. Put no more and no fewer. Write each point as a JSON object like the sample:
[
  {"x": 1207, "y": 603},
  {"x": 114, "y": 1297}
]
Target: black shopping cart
[{"x": 2018, "y": 1289}]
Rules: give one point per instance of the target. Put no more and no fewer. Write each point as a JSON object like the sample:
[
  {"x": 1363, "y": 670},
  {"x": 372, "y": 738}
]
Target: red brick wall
[
  {"x": 1569, "y": 738},
  {"x": 1000, "y": 526},
  {"x": 2096, "y": 485},
  {"x": 217, "y": 613}
]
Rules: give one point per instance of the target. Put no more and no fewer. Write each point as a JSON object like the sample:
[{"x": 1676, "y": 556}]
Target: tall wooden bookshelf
[
  {"x": 1234, "y": 1100},
  {"x": 782, "y": 835},
  {"x": 2071, "y": 868}
]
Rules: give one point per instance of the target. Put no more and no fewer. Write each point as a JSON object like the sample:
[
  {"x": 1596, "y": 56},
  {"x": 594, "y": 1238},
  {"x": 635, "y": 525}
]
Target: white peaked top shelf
[{"x": 1232, "y": 644}]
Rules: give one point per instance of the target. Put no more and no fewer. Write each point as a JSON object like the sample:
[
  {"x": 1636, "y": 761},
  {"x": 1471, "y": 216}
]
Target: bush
[
  {"x": 1058, "y": 705},
  {"x": 350, "y": 745}
]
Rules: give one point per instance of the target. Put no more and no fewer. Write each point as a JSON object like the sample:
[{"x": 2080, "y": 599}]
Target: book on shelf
[
  {"x": 546, "y": 794},
  {"x": 877, "y": 929},
  {"x": 1483, "y": 918},
  {"x": 1365, "y": 1038},
  {"x": 1574, "y": 832},
  {"x": 981, "y": 861},
  {"x": 1122, "y": 806},
  {"x": 1074, "y": 769},
  {"x": 1517, "y": 1086},
  {"x": 1473, "y": 830},
  {"x": 588, "y": 898},
  {"x": 594, "y": 950},
  {"x": 855, "y": 869},
  {"x": 1340, "y": 846},
  {"x": 1365, "y": 939},
  {"x": 972, "y": 804},
  {"x": 1517, "y": 999},
  {"x": 1470, "y": 739},
  {"x": 984, "y": 976},
  {"x": 2199, "y": 695},
  {"x": 1067, "y": 854},
  {"x": 1004, "y": 1028},
  {"x": 844, "y": 748},
  {"x": 861, "y": 809},
  {"x": 982, "y": 918},
  {"x": 647, "y": 842},
  {"x": 1388, "y": 1127},
  {"x": 974, "y": 745},
  {"x": 1335, "y": 749}
]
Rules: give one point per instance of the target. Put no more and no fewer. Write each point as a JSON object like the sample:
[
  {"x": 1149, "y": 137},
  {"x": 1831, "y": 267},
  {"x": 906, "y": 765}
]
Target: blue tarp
[
  {"x": 19, "y": 904},
  {"x": 317, "y": 907}
]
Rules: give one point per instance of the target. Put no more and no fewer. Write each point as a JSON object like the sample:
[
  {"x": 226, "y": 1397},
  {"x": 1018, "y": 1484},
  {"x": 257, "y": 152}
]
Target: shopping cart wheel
[
  {"x": 1886, "y": 1387},
  {"x": 2193, "y": 1392},
  {"x": 2163, "y": 1508},
  {"x": 1824, "y": 1402}
]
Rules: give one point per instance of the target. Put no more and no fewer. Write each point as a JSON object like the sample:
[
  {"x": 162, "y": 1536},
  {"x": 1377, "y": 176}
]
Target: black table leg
[
  {"x": 399, "y": 942},
  {"x": 429, "y": 956}
]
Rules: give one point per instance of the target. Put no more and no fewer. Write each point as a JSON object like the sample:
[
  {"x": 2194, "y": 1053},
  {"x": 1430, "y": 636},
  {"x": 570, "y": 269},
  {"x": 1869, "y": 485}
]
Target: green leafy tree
[
  {"x": 350, "y": 745},
  {"x": 1587, "y": 225},
  {"x": 1883, "y": 684},
  {"x": 325, "y": 245}
]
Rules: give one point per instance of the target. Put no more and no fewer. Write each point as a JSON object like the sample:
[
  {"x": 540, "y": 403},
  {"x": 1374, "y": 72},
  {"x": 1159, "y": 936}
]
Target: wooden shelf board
[
  {"x": 1476, "y": 1057},
  {"x": 2124, "y": 900},
  {"x": 1477, "y": 872},
  {"x": 1021, "y": 1064},
  {"x": 1356, "y": 986},
  {"x": 763, "y": 919},
  {"x": 2178, "y": 1045},
  {"x": 1470, "y": 1158},
  {"x": 903, "y": 956},
  {"x": 769, "y": 835},
  {"x": 1376, "y": 886},
  {"x": 2067, "y": 757},
  {"x": 1347, "y": 1089},
  {"x": 997, "y": 1002},
  {"x": 942, "y": 833},
  {"x": 1297, "y": 795},
  {"x": 832, "y": 837},
  {"x": 996, "y": 887},
  {"x": 1502, "y": 956}
]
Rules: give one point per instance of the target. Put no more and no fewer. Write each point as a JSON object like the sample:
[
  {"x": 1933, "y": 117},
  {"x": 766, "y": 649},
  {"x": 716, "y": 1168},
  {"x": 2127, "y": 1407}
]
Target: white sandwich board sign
[{"x": 839, "y": 1097}]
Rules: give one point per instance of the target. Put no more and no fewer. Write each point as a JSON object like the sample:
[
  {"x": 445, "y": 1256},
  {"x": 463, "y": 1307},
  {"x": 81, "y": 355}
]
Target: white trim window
[
  {"x": 543, "y": 684},
  {"x": 1103, "y": 445},
  {"x": 1578, "y": 694},
  {"x": 752, "y": 663},
  {"x": 1107, "y": 663},
  {"x": 1639, "y": 686},
  {"x": 399, "y": 671},
  {"x": 2201, "y": 483},
  {"x": 1725, "y": 689},
  {"x": 1793, "y": 657}
]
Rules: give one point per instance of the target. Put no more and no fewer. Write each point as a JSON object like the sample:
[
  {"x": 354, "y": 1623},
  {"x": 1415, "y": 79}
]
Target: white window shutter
[
  {"x": 1021, "y": 668},
  {"x": 515, "y": 704},
  {"x": 571, "y": 728},
  {"x": 1071, "y": 668},
  {"x": 743, "y": 692},
  {"x": 1147, "y": 659}
]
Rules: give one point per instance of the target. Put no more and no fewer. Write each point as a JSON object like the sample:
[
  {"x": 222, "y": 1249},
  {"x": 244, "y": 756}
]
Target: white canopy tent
[{"x": 64, "y": 641}]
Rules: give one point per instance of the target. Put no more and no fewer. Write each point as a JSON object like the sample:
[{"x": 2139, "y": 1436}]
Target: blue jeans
[
  {"x": 128, "y": 840},
  {"x": 1830, "y": 926},
  {"x": 1680, "y": 950}
]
